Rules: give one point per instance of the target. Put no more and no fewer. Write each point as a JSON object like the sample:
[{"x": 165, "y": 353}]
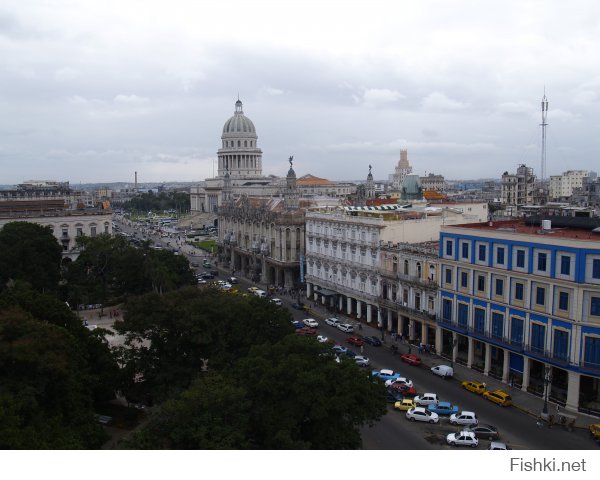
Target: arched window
[
  {"x": 245, "y": 143},
  {"x": 405, "y": 267},
  {"x": 395, "y": 264},
  {"x": 419, "y": 269}
]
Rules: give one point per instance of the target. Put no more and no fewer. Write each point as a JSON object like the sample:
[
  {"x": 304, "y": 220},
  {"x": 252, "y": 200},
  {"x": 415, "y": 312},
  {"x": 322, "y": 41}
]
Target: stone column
[
  {"x": 438, "y": 339},
  {"x": 573, "y": 383},
  {"x": 470, "y": 352},
  {"x": 488, "y": 359},
  {"x": 389, "y": 320},
  {"x": 341, "y": 303},
  {"x": 506, "y": 366},
  {"x": 424, "y": 338},
  {"x": 525, "y": 373},
  {"x": 348, "y": 305},
  {"x": 454, "y": 346},
  {"x": 308, "y": 289},
  {"x": 369, "y": 313},
  {"x": 411, "y": 329},
  {"x": 379, "y": 319},
  {"x": 358, "y": 308},
  {"x": 323, "y": 299}
]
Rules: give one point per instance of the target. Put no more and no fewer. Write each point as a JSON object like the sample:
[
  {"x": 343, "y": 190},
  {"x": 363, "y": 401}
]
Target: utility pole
[{"x": 544, "y": 124}]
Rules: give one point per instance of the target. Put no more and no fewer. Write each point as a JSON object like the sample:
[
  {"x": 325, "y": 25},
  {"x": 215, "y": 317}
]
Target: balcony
[
  {"x": 400, "y": 307},
  {"x": 547, "y": 355}
]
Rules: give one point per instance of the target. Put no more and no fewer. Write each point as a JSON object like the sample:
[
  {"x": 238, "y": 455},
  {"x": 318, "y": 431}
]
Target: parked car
[
  {"x": 443, "y": 408},
  {"x": 253, "y": 289},
  {"x": 498, "y": 446},
  {"x": 405, "y": 404},
  {"x": 362, "y": 361},
  {"x": 402, "y": 380},
  {"x": 345, "y": 327},
  {"x": 356, "y": 340},
  {"x": 233, "y": 280},
  {"x": 339, "y": 349},
  {"x": 393, "y": 396},
  {"x": 206, "y": 264},
  {"x": 277, "y": 301},
  {"x": 466, "y": 439},
  {"x": 334, "y": 322},
  {"x": 426, "y": 399},
  {"x": 499, "y": 397},
  {"x": 385, "y": 374},
  {"x": 464, "y": 418},
  {"x": 306, "y": 331},
  {"x": 411, "y": 359},
  {"x": 443, "y": 371},
  {"x": 372, "y": 341},
  {"x": 322, "y": 339},
  {"x": 422, "y": 415},
  {"x": 594, "y": 429},
  {"x": 405, "y": 390},
  {"x": 298, "y": 306},
  {"x": 350, "y": 353},
  {"x": 473, "y": 386},
  {"x": 489, "y": 432},
  {"x": 298, "y": 325},
  {"x": 310, "y": 322}
]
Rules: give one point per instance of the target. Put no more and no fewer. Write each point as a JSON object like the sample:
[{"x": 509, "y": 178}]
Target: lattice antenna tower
[{"x": 544, "y": 124}]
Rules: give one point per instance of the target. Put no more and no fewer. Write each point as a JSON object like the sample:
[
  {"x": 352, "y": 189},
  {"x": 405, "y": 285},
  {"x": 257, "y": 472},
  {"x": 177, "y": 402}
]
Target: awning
[{"x": 325, "y": 292}]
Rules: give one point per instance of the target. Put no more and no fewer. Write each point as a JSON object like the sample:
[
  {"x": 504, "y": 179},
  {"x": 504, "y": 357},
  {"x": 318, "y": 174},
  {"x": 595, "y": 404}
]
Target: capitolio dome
[{"x": 238, "y": 125}]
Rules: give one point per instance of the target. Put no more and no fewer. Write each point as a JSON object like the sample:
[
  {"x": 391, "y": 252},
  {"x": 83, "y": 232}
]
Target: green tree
[
  {"x": 29, "y": 252},
  {"x": 45, "y": 392}
]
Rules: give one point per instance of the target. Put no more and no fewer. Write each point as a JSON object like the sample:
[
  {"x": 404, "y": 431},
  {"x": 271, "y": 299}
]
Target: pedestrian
[
  {"x": 362, "y": 348},
  {"x": 557, "y": 408}
]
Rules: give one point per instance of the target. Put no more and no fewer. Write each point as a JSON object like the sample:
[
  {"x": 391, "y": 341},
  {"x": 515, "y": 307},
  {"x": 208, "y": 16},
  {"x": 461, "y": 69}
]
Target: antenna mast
[{"x": 543, "y": 125}]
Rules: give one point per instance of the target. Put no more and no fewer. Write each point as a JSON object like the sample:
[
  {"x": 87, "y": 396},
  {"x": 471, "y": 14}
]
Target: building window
[
  {"x": 538, "y": 337},
  {"x": 448, "y": 276},
  {"x": 521, "y": 258},
  {"x": 463, "y": 314},
  {"x": 79, "y": 231},
  {"x": 481, "y": 283},
  {"x": 561, "y": 344},
  {"x": 482, "y": 253},
  {"x": 542, "y": 262},
  {"x": 405, "y": 267},
  {"x": 419, "y": 270},
  {"x": 449, "y": 247},
  {"x": 596, "y": 269},
  {"x": 479, "y": 320},
  {"x": 497, "y": 325},
  {"x": 591, "y": 354},
  {"x": 563, "y": 301},
  {"x": 447, "y": 310},
  {"x": 595, "y": 306},
  {"x": 464, "y": 279},
  {"x": 93, "y": 230},
  {"x": 499, "y": 287},
  {"x": 500, "y": 256},
  {"x": 465, "y": 250},
  {"x": 519, "y": 291},
  {"x": 540, "y": 296},
  {"x": 565, "y": 265},
  {"x": 516, "y": 330}
]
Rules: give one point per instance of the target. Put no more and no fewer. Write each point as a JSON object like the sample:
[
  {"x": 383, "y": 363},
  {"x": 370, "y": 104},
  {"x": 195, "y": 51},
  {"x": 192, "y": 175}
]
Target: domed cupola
[{"x": 239, "y": 153}]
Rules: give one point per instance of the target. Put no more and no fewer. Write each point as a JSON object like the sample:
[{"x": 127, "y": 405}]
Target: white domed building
[{"x": 241, "y": 157}]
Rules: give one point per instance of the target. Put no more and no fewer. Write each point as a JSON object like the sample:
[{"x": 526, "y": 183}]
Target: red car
[
  {"x": 403, "y": 389},
  {"x": 356, "y": 340},
  {"x": 306, "y": 331},
  {"x": 411, "y": 359}
]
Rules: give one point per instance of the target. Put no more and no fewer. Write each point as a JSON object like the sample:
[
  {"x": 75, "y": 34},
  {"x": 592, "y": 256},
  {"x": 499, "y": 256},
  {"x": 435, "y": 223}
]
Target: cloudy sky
[{"x": 92, "y": 91}]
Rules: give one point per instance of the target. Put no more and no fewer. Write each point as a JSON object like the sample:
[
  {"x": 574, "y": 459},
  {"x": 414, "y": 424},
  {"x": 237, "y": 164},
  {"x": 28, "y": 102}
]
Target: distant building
[
  {"x": 518, "y": 189},
  {"x": 433, "y": 183},
  {"x": 561, "y": 186},
  {"x": 311, "y": 186},
  {"x": 403, "y": 169}
]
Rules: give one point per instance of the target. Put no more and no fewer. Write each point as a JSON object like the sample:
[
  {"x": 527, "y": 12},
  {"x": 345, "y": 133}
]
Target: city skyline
[{"x": 93, "y": 93}]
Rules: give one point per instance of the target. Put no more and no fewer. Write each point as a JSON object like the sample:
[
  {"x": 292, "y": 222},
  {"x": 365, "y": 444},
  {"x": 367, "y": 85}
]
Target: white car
[
  {"x": 321, "y": 339},
  {"x": 464, "y": 418},
  {"x": 401, "y": 380},
  {"x": 467, "y": 439},
  {"x": 226, "y": 286},
  {"x": 421, "y": 414},
  {"x": 362, "y": 361},
  {"x": 426, "y": 399},
  {"x": 276, "y": 301},
  {"x": 345, "y": 327},
  {"x": 334, "y": 322},
  {"x": 443, "y": 371},
  {"x": 498, "y": 446},
  {"x": 310, "y": 322}
]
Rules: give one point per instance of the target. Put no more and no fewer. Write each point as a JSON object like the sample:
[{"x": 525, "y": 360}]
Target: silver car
[{"x": 345, "y": 327}]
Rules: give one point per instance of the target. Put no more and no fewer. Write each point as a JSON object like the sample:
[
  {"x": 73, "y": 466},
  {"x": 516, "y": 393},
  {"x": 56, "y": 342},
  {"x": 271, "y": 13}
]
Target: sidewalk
[{"x": 524, "y": 401}]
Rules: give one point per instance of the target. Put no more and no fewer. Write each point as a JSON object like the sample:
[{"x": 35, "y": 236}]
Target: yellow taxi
[
  {"x": 499, "y": 397},
  {"x": 252, "y": 289},
  {"x": 405, "y": 404},
  {"x": 595, "y": 431},
  {"x": 475, "y": 387}
]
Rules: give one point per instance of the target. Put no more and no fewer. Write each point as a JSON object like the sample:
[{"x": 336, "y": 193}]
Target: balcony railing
[{"x": 399, "y": 306}]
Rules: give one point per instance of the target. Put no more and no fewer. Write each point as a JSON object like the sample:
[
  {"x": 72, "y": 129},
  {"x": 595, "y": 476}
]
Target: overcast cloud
[{"x": 94, "y": 91}]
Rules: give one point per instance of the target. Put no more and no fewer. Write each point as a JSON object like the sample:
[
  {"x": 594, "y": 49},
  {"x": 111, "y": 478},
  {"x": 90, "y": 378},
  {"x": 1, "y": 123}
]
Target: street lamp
[{"x": 547, "y": 381}]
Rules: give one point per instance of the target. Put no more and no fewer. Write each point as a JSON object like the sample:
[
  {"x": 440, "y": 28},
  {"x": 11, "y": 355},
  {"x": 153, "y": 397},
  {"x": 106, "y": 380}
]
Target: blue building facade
[{"x": 517, "y": 302}]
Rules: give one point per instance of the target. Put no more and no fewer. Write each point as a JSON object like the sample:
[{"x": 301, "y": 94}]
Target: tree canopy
[
  {"x": 29, "y": 252},
  {"x": 163, "y": 201}
]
